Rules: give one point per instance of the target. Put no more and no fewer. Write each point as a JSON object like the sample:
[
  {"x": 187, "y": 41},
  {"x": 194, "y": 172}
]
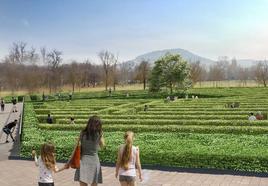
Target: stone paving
[
  {"x": 24, "y": 173},
  {"x": 6, "y": 117}
]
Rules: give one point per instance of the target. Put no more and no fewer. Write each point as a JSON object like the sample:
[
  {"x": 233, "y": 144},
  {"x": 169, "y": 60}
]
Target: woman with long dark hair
[{"x": 91, "y": 140}]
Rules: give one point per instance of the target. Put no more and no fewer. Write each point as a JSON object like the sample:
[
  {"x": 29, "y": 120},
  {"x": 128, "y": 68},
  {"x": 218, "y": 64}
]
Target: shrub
[
  {"x": 33, "y": 97},
  {"x": 20, "y": 98}
]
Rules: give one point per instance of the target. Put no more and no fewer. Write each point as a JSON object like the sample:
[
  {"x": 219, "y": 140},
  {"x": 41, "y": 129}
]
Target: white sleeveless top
[
  {"x": 131, "y": 171},
  {"x": 45, "y": 175}
]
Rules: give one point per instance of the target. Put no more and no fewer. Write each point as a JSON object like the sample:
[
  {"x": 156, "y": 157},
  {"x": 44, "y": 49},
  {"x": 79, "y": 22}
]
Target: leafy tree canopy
[{"x": 170, "y": 71}]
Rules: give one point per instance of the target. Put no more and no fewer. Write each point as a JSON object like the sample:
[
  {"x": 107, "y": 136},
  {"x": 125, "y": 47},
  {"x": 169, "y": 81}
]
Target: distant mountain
[
  {"x": 246, "y": 62},
  {"x": 189, "y": 56},
  {"x": 155, "y": 55}
]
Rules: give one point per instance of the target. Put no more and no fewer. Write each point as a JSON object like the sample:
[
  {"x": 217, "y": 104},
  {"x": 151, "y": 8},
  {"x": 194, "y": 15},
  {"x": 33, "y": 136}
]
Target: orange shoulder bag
[{"x": 75, "y": 160}]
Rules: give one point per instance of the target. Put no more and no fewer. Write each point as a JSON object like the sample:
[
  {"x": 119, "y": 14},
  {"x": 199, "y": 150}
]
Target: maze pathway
[{"x": 24, "y": 173}]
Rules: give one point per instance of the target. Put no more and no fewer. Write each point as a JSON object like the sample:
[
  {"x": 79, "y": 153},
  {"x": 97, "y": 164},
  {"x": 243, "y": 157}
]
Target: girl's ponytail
[{"x": 127, "y": 151}]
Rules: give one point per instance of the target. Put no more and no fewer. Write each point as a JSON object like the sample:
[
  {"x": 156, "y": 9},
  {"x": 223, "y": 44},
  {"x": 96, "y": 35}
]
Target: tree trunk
[
  {"x": 171, "y": 88},
  {"x": 106, "y": 82},
  {"x": 73, "y": 87},
  {"x": 144, "y": 84}
]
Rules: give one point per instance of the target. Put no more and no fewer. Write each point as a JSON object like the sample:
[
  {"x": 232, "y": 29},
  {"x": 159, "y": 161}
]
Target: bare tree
[
  {"x": 54, "y": 59},
  {"x": 243, "y": 75},
  {"x": 261, "y": 72},
  {"x": 217, "y": 72},
  {"x": 196, "y": 72},
  {"x": 72, "y": 74},
  {"x": 142, "y": 72},
  {"x": 107, "y": 59},
  {"x": 33, "y": 56},
  {"x": 18, "y": 52},
  {"x": 114, "y": 70},
  {"x": 15, "y": 57},
  {"x": 126, "y": 72},
  {"x": 43, "y": 52}
]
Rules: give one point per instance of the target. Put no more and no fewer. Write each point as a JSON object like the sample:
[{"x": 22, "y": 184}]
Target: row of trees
[
  {"x": 29, "y": 68},
  {"x": 224, "y": 69}
]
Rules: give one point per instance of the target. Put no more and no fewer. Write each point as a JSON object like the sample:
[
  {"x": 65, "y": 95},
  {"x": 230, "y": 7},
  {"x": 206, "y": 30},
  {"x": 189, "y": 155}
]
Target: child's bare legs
[
  {"x": 133, "y": 183},
  {"x": 124, "y": 183}
]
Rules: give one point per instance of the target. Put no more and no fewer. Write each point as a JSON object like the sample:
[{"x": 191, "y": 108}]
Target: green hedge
[{"x": 165, "y": 128}]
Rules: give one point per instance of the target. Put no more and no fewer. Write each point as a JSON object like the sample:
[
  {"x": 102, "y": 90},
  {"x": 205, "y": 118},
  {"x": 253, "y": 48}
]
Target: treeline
[
  {"x": 225, "y": 69},
  {"x": 33, "y": 69}
]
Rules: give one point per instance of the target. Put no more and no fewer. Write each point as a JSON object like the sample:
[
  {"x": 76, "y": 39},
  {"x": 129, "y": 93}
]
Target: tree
[
  {"x": 170, "y": 71},
  {"x": 126, "y": 72},
  {"x": 18, "y": 52},
  {"x": 243, "y": 75},
  {"x": 107, "y": 59},
  {"x": 142, "y": 72},
  {"x": 32, "y": 56},
  {"x": 261, "y": 72},
  {"x": 217, "y": 72},
  {"x": 43, "y": 52},
  {"x": 114, "y": 70},
  {"x": 73, "y": 74},
  {"x": 196, "y": 72},
  {"x": 53, "y": 60}
]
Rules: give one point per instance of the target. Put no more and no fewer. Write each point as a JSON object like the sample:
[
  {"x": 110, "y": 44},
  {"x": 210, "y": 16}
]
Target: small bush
[
  {"x": 33, "y": 97},
  {"x": 20, "y": 98}
]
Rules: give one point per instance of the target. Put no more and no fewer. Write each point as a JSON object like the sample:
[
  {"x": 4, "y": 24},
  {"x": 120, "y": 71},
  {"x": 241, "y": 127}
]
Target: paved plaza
[{"x": 24, "y": 173}]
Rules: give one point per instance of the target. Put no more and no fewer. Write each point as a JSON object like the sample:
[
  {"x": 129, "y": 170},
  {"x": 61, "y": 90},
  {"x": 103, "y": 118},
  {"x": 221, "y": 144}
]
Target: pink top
[{"x": 131, "y": 171}]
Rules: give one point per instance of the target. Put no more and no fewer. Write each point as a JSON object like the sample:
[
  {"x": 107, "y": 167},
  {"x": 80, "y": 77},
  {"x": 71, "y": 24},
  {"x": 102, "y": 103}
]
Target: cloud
[{"x": 25, "y": 22}]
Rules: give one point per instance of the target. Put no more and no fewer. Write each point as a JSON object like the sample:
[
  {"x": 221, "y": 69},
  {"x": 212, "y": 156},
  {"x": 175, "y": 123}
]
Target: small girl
[
  {"x": 47, "y": 164},
  {"x": 128, "y": 156}
]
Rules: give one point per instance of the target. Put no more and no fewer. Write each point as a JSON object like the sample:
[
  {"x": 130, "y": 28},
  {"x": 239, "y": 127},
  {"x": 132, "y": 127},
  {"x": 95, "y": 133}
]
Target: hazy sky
[{"x": 81, "y": 28}]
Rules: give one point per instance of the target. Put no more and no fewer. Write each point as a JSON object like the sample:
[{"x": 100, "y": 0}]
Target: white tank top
[
  {"x": 131, "y": 171},
  {"x": 45, "y": 175}
]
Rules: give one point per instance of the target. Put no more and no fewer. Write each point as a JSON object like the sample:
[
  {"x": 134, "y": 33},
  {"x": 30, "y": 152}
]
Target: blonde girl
[
  {"x": 127, "y": 158},
  {"x": 47, "y": 164}
]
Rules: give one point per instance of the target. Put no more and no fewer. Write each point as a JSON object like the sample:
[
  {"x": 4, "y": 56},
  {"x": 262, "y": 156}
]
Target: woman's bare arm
[
  {"x": 138, "y": 163},
  {"x": 61, "y": 169},
  {"x": 102, "y": 141},
  {"x": 117, "y": 163}
]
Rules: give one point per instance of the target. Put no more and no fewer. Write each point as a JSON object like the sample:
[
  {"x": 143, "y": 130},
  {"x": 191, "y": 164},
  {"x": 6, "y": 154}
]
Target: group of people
[
  {"x": 193, "y": 97},
  {"x": 50, "y": 119},
  {"x": 90, "y": 173},
  {"x": 14, "y": 102},
  {"x": 253, "y": 117},
  {"x": 9, "y": 128}
]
